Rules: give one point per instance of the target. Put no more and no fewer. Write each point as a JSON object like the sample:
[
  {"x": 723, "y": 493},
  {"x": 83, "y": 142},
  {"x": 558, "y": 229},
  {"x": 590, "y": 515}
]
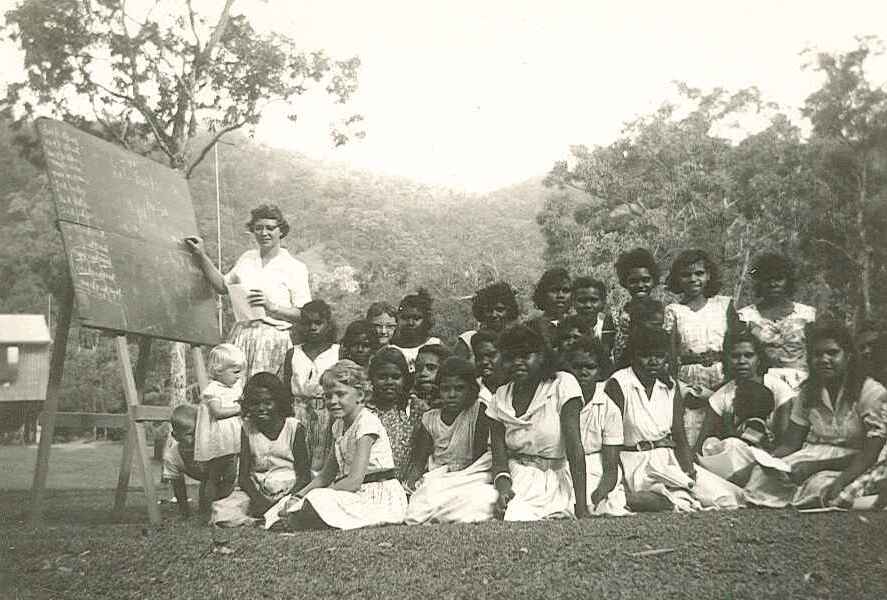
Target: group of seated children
[{"x": 576, "y": 412}]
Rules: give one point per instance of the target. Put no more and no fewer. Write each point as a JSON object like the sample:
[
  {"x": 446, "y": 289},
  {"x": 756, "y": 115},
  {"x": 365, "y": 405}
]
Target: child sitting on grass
[
  {"x": 600, "y": 423},
  {"x": 217, "y": 433},
  {"x": 358, "y": 485},
  {"x": 178, "y": 458},
  {"x": 273, "y": 454},
  {"x": 452, "y": 445}
]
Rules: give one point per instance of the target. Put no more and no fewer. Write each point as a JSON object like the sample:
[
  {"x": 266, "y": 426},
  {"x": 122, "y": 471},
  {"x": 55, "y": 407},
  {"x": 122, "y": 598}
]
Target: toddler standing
[{"x": 217, "y": 433}]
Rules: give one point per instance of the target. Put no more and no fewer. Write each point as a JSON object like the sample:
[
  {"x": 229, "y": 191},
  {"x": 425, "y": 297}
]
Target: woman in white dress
[
  {"x": 274, "y": 281},
  {"x": 301, "y": 370},
  {"x": 836, "y": 430},
  {"x": 698, "y": 324},
  {"x": 538, "y": 459},
  {"x": 658, "y": 464},
  {"x": 600, "y": 423},
  {"x": 358, "y": 485},
  {"x": 776, "y": 320},
  {"x": 450, "y": 468}
]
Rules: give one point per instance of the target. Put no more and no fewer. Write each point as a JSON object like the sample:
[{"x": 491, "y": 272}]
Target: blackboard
[{"x": 123, "y": 218}]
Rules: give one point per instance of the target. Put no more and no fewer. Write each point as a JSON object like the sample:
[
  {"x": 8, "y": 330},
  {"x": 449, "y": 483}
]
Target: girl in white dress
[
  {"x": 217, "y": 429},
  {"x": 494, "y": 307},
  {"x": 698, "y": 324},
  {"x": 301, "y": 370},
  {"x": 358, "y": 485},
  {"x": 414, "y": 323},
  {"x": 751, "y": 409},
  {"x": 776, "y": 320},
  {"x": 601, "y": 425},
  {"x": 836, "y": 431},
  {"x": 452, "y": 446},
  {"x": 658, "y": 464},
  {"x": 538, "y": 459},
  {"x": 273, "y": 456}
]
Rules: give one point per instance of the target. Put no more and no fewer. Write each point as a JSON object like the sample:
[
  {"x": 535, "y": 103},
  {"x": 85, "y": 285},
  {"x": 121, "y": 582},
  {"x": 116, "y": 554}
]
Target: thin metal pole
[{"x": 218, "y": 234}]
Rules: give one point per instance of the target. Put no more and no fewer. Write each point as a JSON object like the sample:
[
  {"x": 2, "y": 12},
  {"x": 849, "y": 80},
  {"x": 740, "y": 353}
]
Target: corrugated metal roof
[{"x": 23, "y": 329}]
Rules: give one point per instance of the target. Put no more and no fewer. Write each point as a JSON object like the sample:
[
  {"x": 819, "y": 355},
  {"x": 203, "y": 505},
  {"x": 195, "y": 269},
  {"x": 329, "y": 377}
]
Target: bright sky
[{"x": 478, "y": 94}]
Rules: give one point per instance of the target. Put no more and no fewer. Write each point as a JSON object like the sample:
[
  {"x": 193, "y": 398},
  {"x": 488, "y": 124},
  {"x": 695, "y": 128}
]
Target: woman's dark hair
[
  {"x": 571, "y": 322},
  {"x": 321, "y": 308},
  {"x": 456, "y": 366},
  {"x": 483, "y": 336},
  {"x": 439, "y": 350},
  {"x": 268, "y": 211},
  {"x": 643, "y": 309},
  {"x": 549, "y": 279},
  {"x": 684, "y": 260},
  {"x": 831, "y": 329},
  {"x": 770, "y": 265},
  {"x": 638, "y": 258},
  {"x": 486, "y": 298},
  {"x": 279, "y": 393},
  {"x": 738, "y": 334},
  {"x": 588, "y": 345},
  {"x": 590, "y": 282},
  {"x": 380, "y": 308},
  {"x": 647, "y": 339},
  {"x": 421, "y": 301},
  {"x": 393, "y": 356},
  {"x": 521, "y": 340},
  {"x": 354, "y": 330}
]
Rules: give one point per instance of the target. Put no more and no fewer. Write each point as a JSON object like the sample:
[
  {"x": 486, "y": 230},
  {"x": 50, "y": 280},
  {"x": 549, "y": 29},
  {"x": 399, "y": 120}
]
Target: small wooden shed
[{"x": 24, "y": 371}]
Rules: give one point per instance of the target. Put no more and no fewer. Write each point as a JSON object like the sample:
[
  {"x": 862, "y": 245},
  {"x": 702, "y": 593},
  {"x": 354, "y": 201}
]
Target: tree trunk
[{"x": 865, "y": 249}]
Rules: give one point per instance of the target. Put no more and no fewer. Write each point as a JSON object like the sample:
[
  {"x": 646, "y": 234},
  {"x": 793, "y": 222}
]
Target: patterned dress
[
  {"x": 783, "y": 340},
  {"x": 700, "y": 334},
  {"x": 837, "y": 429},
  {"x": 400, "y": 424}
]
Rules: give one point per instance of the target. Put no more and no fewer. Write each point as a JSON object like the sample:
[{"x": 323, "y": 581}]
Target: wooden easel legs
[
  {"x": 51, "y": 406},
  {"x": 131, "y": 431},
  {"x": 136, "y": 433}
]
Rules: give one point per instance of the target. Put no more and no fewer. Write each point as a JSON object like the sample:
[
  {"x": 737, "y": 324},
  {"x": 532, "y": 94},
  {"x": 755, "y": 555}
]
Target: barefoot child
[
  {"x": 217, "y": 434},
  {"x": 534, "y": 433},
  {"x": 452, "y": 445},
  {"x": 600, "y": 424},
  {"x": 414, "y": 323},
  {"x": 178, "y": 458},
  {"x": 273, "y": 455},
  {"x": 358, "y": 485}
]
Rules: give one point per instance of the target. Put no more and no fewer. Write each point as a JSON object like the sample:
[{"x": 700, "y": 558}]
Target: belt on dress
[
  {"x": 645, "y": 445},
  {"x": 376, "y": 476},
  {"x": 540, "y": 462},
  {"x": 706, "y": 359}
]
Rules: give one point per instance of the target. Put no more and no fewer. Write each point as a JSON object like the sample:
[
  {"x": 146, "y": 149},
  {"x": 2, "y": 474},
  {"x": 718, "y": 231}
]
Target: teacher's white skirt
[{"x": 464, "y": 496}]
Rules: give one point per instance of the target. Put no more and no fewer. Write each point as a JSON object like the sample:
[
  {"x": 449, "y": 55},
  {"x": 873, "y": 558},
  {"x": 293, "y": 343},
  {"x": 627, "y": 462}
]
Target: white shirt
[
  {"x": 283, "y": 279},
  {"x": 722, "y": 400}
]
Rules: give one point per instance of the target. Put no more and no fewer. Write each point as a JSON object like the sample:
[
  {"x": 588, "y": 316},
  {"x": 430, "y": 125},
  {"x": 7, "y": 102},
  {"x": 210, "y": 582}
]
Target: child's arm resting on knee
[
  {"x": 423, "y": 446},
  {"x": 354, "y": 479},
  {"x": 323, "y": 479},
  {"x": 610, "y": 463},
  {"x": 481, "y": 442},
  {"x": 679, "y": 435},
  {"x": 500, "y": 471},
  {"x": 301, "y": 462}
]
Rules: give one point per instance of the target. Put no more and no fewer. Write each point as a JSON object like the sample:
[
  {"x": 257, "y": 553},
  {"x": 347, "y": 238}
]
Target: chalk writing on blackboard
[{"x": 92, "y": 267}]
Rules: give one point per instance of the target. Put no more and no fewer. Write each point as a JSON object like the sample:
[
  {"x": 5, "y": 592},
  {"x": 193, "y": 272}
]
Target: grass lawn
[{"x": 85, "y": 552}]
